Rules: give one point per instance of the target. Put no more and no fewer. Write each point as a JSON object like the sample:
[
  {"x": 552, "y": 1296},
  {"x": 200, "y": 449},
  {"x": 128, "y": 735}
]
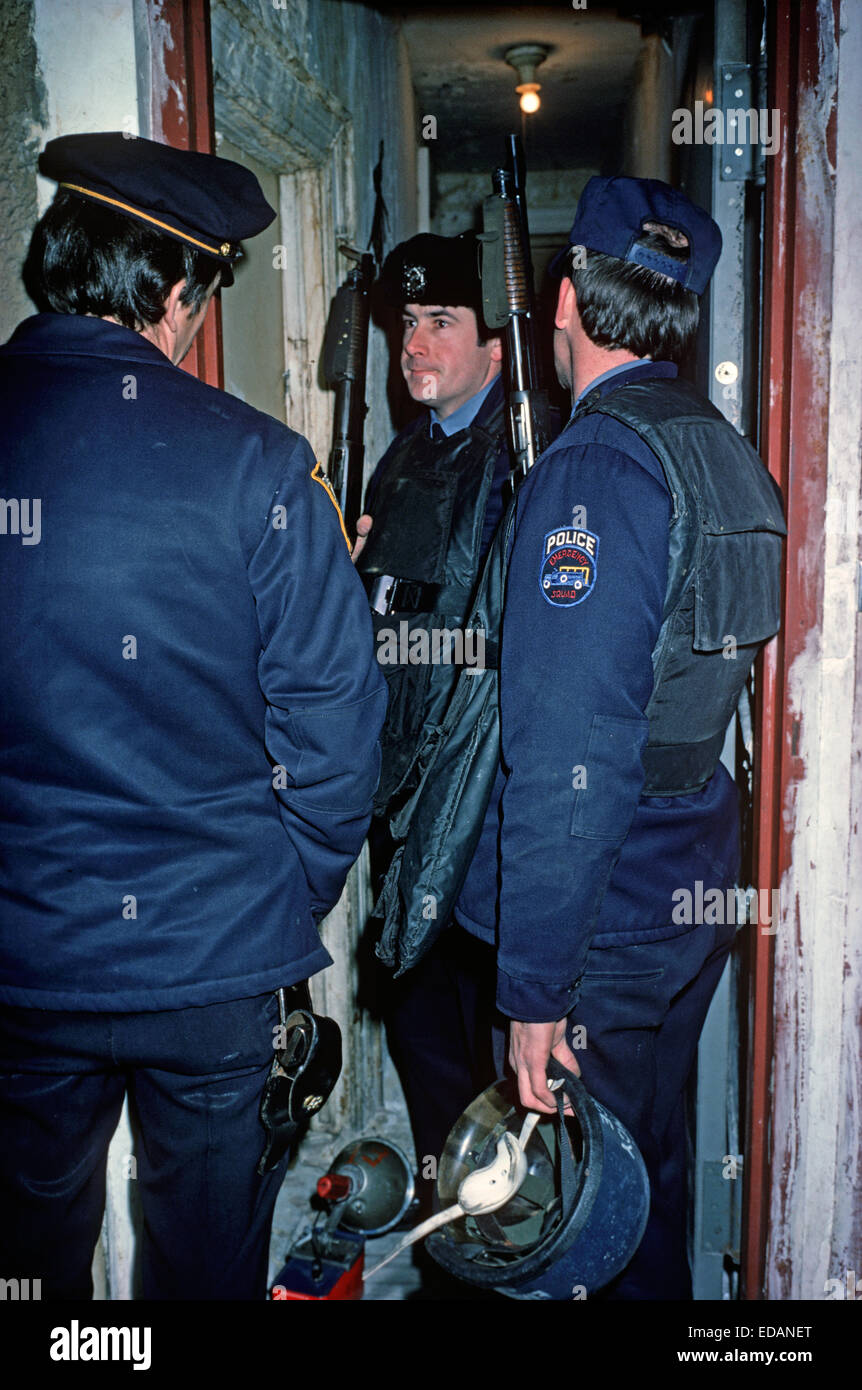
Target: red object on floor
[
  {"x": 309, "y": 1278},
  {"x": 333, "y": 1187}
]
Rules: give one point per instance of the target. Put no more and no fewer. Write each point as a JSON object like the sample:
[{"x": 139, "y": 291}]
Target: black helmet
[{"x": 577, "y": 1217}]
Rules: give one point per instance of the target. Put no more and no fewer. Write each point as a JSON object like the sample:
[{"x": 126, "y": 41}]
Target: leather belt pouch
[{"x": 302, "y": 1076}]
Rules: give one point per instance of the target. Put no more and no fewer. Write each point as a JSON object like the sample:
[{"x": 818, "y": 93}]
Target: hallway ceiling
[{"x": 460, "y": 76}]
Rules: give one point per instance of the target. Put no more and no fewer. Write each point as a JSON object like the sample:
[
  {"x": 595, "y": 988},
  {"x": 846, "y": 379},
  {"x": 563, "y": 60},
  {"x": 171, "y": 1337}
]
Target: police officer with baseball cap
[
  {"x": 643, "y": 577},
  {"x": 189, "y": 733}
]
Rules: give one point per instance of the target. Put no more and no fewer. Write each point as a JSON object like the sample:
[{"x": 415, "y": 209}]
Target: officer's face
[{"x": 441, "y": 357}]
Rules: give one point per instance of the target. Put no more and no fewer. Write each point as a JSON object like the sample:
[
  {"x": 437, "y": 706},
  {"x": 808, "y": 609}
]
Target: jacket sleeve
[
  {"x": 576, "y": 677},
  {"x": 325, "y": 693}
]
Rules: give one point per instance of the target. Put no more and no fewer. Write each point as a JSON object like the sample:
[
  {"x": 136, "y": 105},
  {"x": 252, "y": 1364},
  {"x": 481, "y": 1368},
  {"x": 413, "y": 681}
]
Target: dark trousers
[
  {"x": 440, "y": 1023},
  {"x": 194, "y": 1079},
  {"x": 642, "y": 1009}
]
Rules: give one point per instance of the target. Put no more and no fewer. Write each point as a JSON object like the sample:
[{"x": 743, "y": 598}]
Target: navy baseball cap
[
  {"x": 209, "y": 203},
  {"x": 610, "y": 218},
  {"x": 431, "y": 269}
]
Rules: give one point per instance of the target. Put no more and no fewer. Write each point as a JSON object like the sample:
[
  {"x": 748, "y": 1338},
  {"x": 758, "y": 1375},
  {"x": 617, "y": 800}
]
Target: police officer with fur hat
[
  {"x": 643, "y": 577},
  {"x": 190, "y": 731},
  {"x": 435, "y": 498}
]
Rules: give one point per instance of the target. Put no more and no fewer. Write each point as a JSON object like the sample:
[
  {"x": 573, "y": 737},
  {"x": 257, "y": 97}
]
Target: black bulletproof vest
[
  {"x": 723, "y": 597},
  {"x": 428, "y": 512}
]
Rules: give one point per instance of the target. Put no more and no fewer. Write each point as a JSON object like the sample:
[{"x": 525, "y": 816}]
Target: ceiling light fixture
[{"x": 525, "y": 58}]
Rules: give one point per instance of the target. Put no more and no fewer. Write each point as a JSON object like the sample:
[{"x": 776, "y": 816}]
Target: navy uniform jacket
[
  {"x": 582, "y": 857},
  {"x": 191, "y": 698}
]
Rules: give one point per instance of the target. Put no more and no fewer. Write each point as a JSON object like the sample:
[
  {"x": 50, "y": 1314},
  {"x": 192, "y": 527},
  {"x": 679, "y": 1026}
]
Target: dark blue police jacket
[
  {"x": 191, "y": 701},
  {"x": 586, "y": 862}
]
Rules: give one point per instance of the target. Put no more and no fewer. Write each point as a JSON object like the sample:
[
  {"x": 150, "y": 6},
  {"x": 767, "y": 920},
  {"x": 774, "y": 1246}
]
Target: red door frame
[
  {"x": 797, "y": 271},
  {"x": 184, "y": 118}
]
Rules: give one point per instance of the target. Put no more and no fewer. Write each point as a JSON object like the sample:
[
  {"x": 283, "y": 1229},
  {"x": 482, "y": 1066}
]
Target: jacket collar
[
  {"x": 466, "y": 414},
  {"x": 487, "y": 410},
  {"x": 638, "y": 371},
  {"x": 77, "y": 335}
]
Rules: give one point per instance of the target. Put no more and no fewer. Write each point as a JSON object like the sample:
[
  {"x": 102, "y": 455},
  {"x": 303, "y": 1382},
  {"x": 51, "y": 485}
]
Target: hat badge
[{"x": 413, "y": 281}]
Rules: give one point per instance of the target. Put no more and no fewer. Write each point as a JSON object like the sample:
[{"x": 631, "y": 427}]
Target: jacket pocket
[
  {"x": 727, "y": 604},
  {"x": 613, "y": 777}
]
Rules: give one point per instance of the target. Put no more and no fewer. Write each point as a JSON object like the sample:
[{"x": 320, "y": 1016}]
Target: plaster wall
[
  {"x": 87, "y": 62},
  {"x": 647, "y": 144},
  {"x": 360, "y": 54},
  {"x": 252, "y": 328},
  {"x": 23, "y": 101},
  {"x": 293, "y": 82},
  {"x": 64, "y": 67}
]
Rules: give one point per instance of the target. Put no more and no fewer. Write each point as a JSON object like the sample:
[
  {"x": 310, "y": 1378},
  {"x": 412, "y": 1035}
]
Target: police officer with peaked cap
[
  {"x": 643, "y": 577},
  {"x": 189, "y": 732}
]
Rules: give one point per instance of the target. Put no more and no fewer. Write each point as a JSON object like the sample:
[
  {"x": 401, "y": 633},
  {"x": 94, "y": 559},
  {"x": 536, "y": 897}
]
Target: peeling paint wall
[
  {"x": 290, "y": 79},
  {"x": 22, "y": 112},
  {"x": 64, "y": 68},
  {"x": 816, "y": 1202},
  {"x": 87, "y": 61}
]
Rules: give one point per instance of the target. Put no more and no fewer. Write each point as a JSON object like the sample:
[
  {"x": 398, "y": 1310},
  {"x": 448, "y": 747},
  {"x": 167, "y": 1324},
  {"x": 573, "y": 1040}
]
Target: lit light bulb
[
  {"x": 530, "y": 100},
  {"x": 525, "y": 58}
]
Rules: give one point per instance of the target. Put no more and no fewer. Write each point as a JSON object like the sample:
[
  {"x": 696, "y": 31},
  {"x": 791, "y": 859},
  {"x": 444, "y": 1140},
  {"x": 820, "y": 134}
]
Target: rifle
[
  {"x": 507, "y": 297},
  {"x": 345, "y": 351}
]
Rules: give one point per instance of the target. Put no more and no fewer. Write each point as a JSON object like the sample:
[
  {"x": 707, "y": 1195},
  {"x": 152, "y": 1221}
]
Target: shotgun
[
  {"x": 507, "y": 297},
  {"x": 345, "y": 351}
]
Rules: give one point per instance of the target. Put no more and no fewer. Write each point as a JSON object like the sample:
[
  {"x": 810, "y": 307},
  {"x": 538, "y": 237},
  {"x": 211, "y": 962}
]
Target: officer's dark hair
[
  {"x": 625, "y": 305},
  {"x": 85, "y": 259}
]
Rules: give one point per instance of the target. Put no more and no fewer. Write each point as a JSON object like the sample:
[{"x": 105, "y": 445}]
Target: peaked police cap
[{"x": 208, "y": 203}]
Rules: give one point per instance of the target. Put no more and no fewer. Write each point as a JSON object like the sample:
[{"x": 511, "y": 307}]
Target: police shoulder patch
[{"x": 569, "y": 564}]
